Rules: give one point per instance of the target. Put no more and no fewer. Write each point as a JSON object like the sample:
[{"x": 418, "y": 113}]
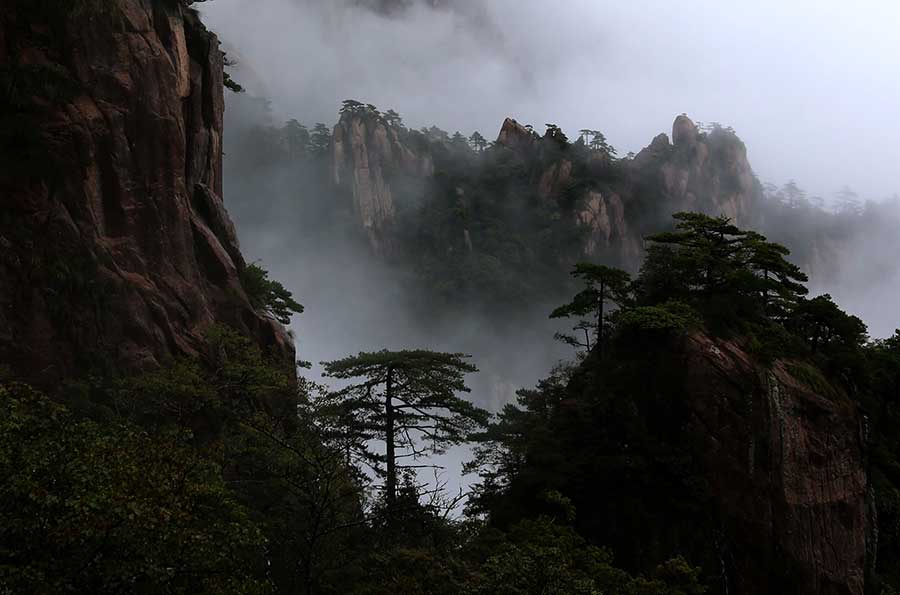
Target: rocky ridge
[{"x": 700, "y": 171}]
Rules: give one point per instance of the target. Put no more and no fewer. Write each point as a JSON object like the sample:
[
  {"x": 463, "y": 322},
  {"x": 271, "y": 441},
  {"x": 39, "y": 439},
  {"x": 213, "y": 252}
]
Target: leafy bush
[{"x": 109, "y": 508}]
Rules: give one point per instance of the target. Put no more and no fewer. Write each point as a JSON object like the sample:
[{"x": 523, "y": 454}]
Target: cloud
[{"x": 810, "y": 86}]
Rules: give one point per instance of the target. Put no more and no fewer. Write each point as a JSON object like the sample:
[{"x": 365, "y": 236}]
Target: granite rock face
[
  {"x": 701, "y": 171},
  {"x": 515, "y": 136},
  {"x": 117, "y": 249},
  {"x": 368, "y": 160},
  {"x": 707, "y": 172},
  {"x": 785, "y": 461}
]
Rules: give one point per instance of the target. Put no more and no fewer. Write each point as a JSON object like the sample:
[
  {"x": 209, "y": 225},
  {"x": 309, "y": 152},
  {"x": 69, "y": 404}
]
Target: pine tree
[
  {"x": 556, "y": 133},
  {"x": 351, "y": 106},
  {"x": 408, "y": 399},
  {"x": 297, "y": 137},
  {"x": 848, "y": 201},
  {"x": 477, "y": 141},
  {"x": 603, "y": 284},
  {"x": 393, "y": 119},
  {"x": 320, "y": 140},
  {"x": 723, "y": 271}
]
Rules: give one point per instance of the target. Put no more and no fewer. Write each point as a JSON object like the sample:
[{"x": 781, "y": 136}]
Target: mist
[
  {"x": 807, "y": 85},
  {"x": 868, "y": 281},
  {"x": 804, "y": 85}
]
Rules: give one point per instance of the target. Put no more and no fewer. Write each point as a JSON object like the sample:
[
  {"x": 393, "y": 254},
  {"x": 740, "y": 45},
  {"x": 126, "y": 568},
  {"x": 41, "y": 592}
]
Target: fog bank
[{"x": 811, "y": 87}]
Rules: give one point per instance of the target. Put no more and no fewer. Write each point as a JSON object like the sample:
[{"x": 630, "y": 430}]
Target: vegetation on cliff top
[{"x": 223, "y": 475}]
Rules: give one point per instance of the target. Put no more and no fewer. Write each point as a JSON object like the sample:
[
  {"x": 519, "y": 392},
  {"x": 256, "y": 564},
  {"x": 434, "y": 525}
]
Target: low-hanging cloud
[{"x": 810, "y": 86}]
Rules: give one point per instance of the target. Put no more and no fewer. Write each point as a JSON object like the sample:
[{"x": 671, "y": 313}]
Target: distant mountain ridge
[{"x": 613, "y": 200}]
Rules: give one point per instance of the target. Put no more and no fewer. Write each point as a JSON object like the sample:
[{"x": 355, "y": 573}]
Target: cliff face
[
  {"x": 706, "y": 172},
  {"x": 616, "y": 203},
  {"x": 784, "y": 458},
  {"x": 602, "y": 212},
  {"x": 369, "y": 160},
  {"x": 117, "y": 249}
]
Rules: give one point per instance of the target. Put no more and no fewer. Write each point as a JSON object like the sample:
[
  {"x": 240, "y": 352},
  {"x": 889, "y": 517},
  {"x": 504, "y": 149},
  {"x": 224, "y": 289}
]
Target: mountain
[
  {"x": 117, "y": 249},
  {"x": 723, "y": 432},
  {"x": 755, "y": 471},
  {"x": 575, "y": 197}
]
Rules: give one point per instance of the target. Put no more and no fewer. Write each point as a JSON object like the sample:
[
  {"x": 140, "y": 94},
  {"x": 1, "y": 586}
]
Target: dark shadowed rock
[{"x": 118, "y": 251}]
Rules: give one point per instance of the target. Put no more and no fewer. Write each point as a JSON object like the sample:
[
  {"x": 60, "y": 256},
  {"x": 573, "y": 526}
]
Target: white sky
[{"x": 813, "y": 87}]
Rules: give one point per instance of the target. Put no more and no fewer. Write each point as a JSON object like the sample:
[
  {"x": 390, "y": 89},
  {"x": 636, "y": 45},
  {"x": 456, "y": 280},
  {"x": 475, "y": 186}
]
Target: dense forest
[{"x": 224, "y": 474}]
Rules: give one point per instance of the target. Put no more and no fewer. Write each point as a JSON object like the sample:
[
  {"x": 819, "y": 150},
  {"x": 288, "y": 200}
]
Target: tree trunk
[
  {"x": 600, "y": 319},
  {"x": 390, "y": 455}
]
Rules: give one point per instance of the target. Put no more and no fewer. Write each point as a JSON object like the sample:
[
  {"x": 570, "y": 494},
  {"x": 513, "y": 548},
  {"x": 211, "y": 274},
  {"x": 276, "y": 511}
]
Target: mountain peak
[
  {"x": 514, "y": 135},
  {"x": 684, "y": 131}
]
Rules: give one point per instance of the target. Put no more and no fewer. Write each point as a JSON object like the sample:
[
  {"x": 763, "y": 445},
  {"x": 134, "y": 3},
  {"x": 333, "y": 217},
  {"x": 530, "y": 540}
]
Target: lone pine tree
[{"x": 408, "y": 399}]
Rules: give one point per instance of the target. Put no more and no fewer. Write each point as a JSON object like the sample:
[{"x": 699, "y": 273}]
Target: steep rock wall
[
  {"x": 117, "y": 250},
  {"x": 369, "y": 159},
  {"x": 706, "y": 172},
  {"x": 785, "y": 461}
]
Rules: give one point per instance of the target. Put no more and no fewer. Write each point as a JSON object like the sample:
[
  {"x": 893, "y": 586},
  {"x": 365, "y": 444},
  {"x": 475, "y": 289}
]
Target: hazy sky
[{"x": 812, "y": 87}]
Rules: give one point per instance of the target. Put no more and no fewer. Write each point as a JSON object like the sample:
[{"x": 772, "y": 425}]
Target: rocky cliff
[
  {"x": 117, "y": 250},
  {"x": 784, "y": 454},
  {"x": 599, "y": 208},
  {"x": 699, "y": 171},
  {"x": 370, "y": 160},
  {"x": 616, "y": 201}
]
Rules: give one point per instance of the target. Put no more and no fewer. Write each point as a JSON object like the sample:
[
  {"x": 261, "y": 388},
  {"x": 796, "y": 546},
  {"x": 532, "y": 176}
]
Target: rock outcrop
[
  {"x": 784, "y": 458},
  {"x": 604, "y": 216},
  {"x": 555, "y": 179},
  {"x": 515, "y": 136},
  {"x": 707, "y": 172},
  {"x": 617, "y": 202},
  {"x": 370, "y": 159},
  {"x": 117, "y": 250}
]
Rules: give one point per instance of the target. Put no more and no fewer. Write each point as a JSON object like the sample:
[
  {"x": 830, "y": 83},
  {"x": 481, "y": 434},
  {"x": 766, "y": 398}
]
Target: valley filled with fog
[{"x": 466, "y": 66}]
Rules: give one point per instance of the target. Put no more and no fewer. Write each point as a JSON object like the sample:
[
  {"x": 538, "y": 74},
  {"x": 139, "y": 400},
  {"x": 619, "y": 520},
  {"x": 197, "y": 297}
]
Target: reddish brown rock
[
  {"x": 604, "y": 216},
  {"x": 555, "y": 179},
  {"x": 515, "y": 136},
  {"x": 785, "y": 461},
  {"x": 117, "y": 249}
]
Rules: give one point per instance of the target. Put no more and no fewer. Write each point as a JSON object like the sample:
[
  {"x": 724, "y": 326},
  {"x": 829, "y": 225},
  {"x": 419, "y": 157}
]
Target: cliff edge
[{"x": 117, "y": 251}]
